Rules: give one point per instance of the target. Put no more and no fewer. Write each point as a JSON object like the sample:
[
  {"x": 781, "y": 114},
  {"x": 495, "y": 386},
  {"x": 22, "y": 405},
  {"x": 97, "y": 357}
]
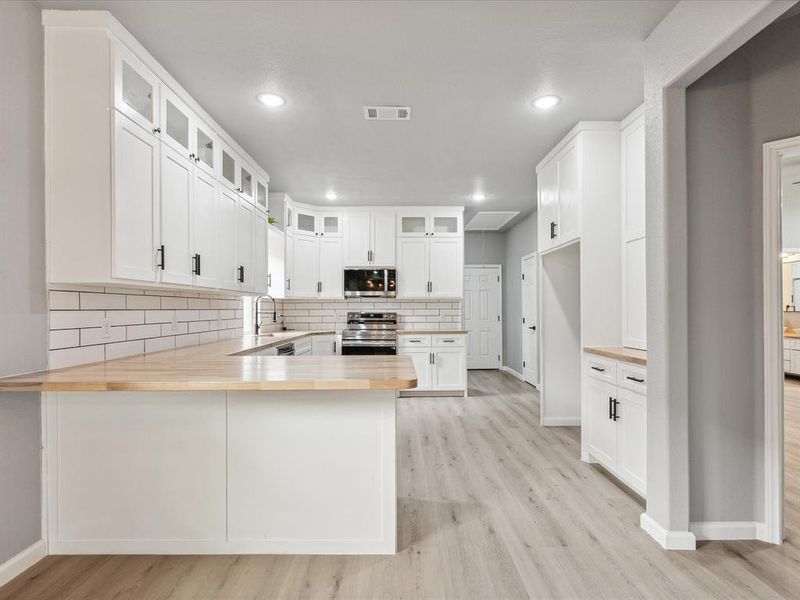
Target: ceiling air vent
[{"x": 387, "y": 113}]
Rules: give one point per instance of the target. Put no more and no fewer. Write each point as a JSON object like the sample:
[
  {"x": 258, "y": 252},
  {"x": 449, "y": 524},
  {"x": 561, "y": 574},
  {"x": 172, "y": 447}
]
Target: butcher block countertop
[
  {"x": 631, "y": 355},
  {"x": 223, "y": 366}
]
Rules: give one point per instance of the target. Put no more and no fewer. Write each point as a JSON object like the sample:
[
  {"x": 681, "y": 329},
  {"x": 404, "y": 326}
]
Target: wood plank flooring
[{"x": 491, "y": 506}]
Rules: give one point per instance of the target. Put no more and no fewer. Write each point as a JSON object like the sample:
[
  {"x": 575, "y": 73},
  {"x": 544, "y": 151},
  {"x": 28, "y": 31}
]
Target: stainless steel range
[{"x": 370, "y": 333}]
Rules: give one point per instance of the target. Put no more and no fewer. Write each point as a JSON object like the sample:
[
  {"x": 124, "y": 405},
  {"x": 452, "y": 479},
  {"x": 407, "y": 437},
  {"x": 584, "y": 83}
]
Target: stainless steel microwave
[{"x": 380, "y": 283}]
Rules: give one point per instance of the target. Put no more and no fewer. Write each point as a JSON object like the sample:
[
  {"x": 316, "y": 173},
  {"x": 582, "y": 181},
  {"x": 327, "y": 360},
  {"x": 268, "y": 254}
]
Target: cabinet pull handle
[
  {"x": 415, "y": 341},
  {"x": 157, "y": 130},
  {"x": 196, "y": 265},
  {"x": 616, "y": 403},
  {"x": 289, "y": 284},
  {"x": 191, "y": 156},
  {"x": 197, "y": 159},
  {"x": 334, "y": 346},
  {"x": 162, "y": 263},
  {"x": 449, "y": 340},
  {"x": 610, "y": 409},
  {"x": 552, "y": 229},
  {"x": 636, "y": 379},
  {"x": 598, "y": 369},
  {"x": 433, "y": 358},
  {"x": 269, "y": 279},
  {"x": 241, "y": 273},
  {"x": 319, "y": 287}
]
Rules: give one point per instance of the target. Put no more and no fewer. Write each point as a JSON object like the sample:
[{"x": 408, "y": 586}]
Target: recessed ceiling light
[
  {"x": 271, "y": 100},
  {"x": 545, "y": 102},
  {"x": 478, "y": 197},
  {"x": 331, "y": 196}
]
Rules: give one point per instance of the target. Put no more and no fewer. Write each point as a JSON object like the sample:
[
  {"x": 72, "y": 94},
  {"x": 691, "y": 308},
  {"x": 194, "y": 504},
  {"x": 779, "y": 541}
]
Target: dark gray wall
[
  {"x": 750, "y": 98},
  {"x": 520, "y": 240},
  {"x": 23, "y": 299}
]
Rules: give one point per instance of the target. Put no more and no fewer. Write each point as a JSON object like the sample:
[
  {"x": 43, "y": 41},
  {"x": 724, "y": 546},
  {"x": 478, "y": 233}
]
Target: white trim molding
[
  {"x": 727, "y": 530},
  {"x": 18, "y": 564},
  {"x": 513, "y": 372},
  {"x": 561, "y": 422},
  {"x": 772, "y": 530},
  {"x": 669, "y": 540}
]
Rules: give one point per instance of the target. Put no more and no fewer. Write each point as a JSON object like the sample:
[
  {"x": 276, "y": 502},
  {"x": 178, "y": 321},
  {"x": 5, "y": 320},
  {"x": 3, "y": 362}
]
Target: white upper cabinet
[
  {"x": 305, "y": 222},
  {"x": 331, "y": 268},
  {"x": 547, "y": 216},
  {"x": 446, "y": 278},
  {"x": 205, "y": 257},
  {"x": 260, "y": 252},
  {"x": 329, "y": 224},
  {"x": 244, "y": 246},
  {"x": 136, "y": 89},
  {"x": 430, "y": 223},
  {"x": 135, "y": 201},
  {"x": 369, "y": 238},
  {"x": 176, "y": 217},
  {"x": 226, "y": 240},
  {"x": 559, "y": 209},
  {"x": 634, "y": 270},
  {"x": 413, "y": 264},
  {"x": 305, "y": 269},
  {"x": 277, "y": 256},
  {"x": 145, "y": 191}
]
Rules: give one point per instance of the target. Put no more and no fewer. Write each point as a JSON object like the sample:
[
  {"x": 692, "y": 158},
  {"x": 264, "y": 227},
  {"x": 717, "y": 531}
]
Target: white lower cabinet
[
  {"x": 615, "y": 411},
  {"x": 440, "y": 360},
  {"x": 323, "y": 345}
]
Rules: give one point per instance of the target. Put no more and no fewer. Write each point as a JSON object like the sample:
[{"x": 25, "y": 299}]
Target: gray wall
[
  {"x": 748, "y": 99},
  {"x": 520, "y": 240},
  {"x": 23, "y": 299},
  {"x": 484, "y": 248}
]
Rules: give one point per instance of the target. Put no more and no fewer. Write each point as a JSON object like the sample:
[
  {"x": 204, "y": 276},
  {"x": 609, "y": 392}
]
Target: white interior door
[
  {"x": 530, "y": 312},
  {"x": 482, "y": 302}
]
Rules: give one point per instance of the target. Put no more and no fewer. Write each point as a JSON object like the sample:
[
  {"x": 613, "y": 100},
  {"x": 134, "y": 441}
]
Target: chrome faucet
[{"x": 256, "y": 313}]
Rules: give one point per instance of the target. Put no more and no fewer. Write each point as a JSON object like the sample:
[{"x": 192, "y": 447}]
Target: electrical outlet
[{"x": 105, "y": 328}]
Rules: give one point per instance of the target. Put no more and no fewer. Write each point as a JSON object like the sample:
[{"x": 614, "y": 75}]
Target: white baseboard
[
  {"x": 559, "y": 422},
  {"x": 24, "y": 560},
  {"x": 669, "y": 540},
  {"x": 726, "y": 530},
  {"x": 518, "y": 375}
]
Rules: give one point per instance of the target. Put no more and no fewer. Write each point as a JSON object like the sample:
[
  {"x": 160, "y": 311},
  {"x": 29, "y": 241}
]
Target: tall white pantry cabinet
[{"x": 137, "y": 171}]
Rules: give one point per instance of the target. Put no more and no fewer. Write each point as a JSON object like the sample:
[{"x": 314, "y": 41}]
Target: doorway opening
[
  {"x": 781, "y": 262},
  {"x": 483, "y": 309}
]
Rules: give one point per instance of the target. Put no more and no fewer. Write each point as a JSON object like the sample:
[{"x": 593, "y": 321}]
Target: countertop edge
[{"x": 618, "y": 354}]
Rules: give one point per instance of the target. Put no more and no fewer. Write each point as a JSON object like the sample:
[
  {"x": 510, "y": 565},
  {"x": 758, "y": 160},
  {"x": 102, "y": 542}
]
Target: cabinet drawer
[
  {"x": 414, "y": 341},
  {"x": 632, "y": 377},
  {"x": 604, "y": 369},
  {"x": 445, "y": 341}
]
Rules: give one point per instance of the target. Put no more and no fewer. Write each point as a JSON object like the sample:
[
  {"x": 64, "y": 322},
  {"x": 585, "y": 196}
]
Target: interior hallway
[{"x": 491, "y": 506}]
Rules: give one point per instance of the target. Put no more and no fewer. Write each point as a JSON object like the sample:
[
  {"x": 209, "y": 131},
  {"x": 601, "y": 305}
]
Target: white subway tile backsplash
[
  {"x": 64, "y": 300},
  {"x": 58, "y": 359},
  {"x": 98, "y": 335},
  {"x": 94, "y": 301},
  {"x": 64, "y": 338},
  {"x": 122, "y": 349},
  {"x": 140, "y": 321},
  {"x": 159, "y": 344},
  {"x": 74, "y": 319},
  {"x": 143, "y": 302}
]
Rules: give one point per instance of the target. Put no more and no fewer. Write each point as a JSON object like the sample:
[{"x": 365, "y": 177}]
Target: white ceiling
[{"x": 468, "y": 70}]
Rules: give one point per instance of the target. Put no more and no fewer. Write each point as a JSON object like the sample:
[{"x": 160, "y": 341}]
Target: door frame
[
  {"x": 773, "y": 338},
  {"x": 499, "y": 268},
  {"x": 523, "y": 258}
]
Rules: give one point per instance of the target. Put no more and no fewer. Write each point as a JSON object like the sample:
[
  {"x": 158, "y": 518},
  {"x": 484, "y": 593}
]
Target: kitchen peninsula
[{"x": 217, "y": 449}]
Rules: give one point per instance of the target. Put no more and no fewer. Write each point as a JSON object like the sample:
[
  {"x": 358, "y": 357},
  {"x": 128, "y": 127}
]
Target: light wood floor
[{"x": 492, "y": 506}]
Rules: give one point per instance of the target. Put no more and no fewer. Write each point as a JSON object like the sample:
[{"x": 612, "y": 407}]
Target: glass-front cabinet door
[
  {"x": 305, "y": 222},
  {"x": 204, "y": 148},
  {"x": 175, "y": 123},
  {"x": 246, "y": 182},
  {"x": 412, "y": 225},
  {"x": 330, "y": 225},
  {"x": 136, "y": 89},
  {"x": 445, "y": 226},
  {"x": 229, "y": 167},
  {"x": 262, "y": 189}
]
